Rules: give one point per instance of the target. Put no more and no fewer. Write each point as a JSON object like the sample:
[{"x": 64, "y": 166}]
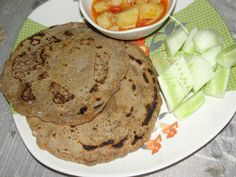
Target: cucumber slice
[
  {"x": 206, "y": 39},
  {"x": 190, "y": 57},
  {"x": 183, "y": 74},
  {"x": 194, "y": 56},
  {"x": 190, "y": 105},
  {"x": 176, "y": 82},
  {"x": 161, "y": 64},
  {"x": 217, "y": 86},
  {"x": 188, "y": 46},
  {"x": 227, "y": 57},
  {"x": 201, "y": 71},
  {"x": 211, "y": 55},
  {"x": 171, "y": 89},
  {"x": 175, "y": 41},
  {"x": 179, "y": 54}
]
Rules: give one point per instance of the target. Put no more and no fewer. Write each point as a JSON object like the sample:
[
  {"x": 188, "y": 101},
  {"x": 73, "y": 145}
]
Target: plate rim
[{"x": 187, "y": 154}]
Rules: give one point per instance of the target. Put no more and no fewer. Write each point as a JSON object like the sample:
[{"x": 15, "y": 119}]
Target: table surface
[{"x": 216, "y": 159}]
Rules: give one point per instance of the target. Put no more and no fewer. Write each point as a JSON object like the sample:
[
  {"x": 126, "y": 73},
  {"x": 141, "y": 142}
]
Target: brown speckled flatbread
[
  {"x": 65, "y": 74},
  {"x": 122, "y": 127}
]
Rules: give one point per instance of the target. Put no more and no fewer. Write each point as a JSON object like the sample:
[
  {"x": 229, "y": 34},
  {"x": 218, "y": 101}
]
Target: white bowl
[{"x": 132, "y": 34}]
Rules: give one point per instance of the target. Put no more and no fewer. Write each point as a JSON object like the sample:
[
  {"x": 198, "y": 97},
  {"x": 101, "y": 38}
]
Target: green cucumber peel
[
  {"x": 171, "y": 89},
  {"x": 176, "y": 82},
  {"x": 189, "y": 105},
  {"x": 161, "y": 64},
  {"x": 196, "y": 64},
  {"x": 227, "y": 57},
  {"x": 218, "y": 85}
]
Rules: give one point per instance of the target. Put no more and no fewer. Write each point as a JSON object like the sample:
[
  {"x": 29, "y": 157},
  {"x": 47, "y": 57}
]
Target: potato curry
[{"x": 121, "y": 15}]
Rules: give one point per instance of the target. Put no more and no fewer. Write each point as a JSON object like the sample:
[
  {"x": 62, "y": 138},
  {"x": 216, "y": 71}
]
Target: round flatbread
[
  {"x": 124, "y": 125},
  {"x": 65, "y": 74}
]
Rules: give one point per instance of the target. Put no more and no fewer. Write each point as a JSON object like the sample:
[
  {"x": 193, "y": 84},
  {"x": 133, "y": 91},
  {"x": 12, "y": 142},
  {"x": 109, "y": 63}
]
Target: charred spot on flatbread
[
  {"x": 64, "y": 75},
  {"x": 123, "y": 126},
  {"x": 27, "y": 94},
  {"x": 60, "y": 94}
]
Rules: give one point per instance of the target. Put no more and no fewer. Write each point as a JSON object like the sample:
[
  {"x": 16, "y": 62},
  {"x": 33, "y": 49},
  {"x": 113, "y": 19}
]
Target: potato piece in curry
[{"x": 121, "y": 15}]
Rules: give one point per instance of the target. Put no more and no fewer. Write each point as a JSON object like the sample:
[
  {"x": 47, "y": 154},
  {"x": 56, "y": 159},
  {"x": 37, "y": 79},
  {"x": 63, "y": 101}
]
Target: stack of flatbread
[{"x": 87, "y": 98}]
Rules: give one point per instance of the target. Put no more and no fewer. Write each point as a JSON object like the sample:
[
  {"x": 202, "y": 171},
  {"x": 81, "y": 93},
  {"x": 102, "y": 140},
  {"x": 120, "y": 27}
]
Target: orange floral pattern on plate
[
  {"x": 154, "y": 145},
  {"x": 169, "y": 130}
]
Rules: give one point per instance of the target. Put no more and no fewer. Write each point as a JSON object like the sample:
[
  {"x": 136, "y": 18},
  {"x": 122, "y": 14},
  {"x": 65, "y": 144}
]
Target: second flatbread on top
[
  {"x": 64, "y": 74},
  {"x": 122, "y": 127}
]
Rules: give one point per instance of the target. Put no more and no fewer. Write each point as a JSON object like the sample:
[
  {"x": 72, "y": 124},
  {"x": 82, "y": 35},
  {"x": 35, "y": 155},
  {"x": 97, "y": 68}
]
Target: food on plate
[
  {"x": 175, "y": 41},
  {"x": 121, "y": 15},
  {"x": 176, "y": 82},
  {"x": 122, "y": 127},
  {"x": 87, "y": 98},
  {"x": 218, "y": 85},
  {"x": 198, "y": 66},
  {"x": 227, "y": 57},
  {"x": 64, "y": 74}
]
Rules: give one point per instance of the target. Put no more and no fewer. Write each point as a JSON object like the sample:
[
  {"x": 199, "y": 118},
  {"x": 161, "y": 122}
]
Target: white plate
[{"x": 192, "y": 134}]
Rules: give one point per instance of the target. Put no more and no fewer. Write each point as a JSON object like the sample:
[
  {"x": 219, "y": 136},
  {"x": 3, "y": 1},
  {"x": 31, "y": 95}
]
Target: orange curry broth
[{"x": 117, "y": 9}]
